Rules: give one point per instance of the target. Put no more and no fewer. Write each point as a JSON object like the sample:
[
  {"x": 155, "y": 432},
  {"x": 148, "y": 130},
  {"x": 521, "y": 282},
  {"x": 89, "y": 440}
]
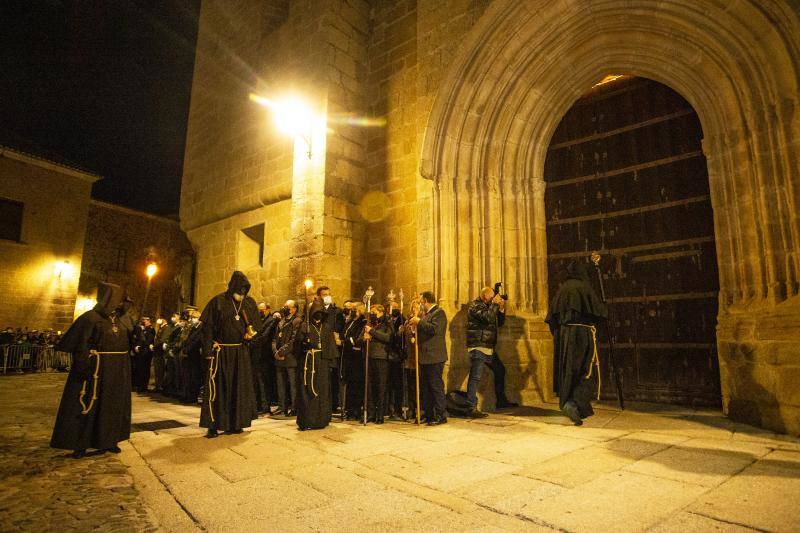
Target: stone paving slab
[
  {"x": 650, "y": 467},
  {"x": 42, "y": 489},
  {"x": 620, "y": 501},
  {"x": 685, "y": 522},
  {"x": 761, "y": 497}
]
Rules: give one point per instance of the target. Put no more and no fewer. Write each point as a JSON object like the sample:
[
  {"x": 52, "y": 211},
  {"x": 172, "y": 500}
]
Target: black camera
[{"x": 497, "y": 287}]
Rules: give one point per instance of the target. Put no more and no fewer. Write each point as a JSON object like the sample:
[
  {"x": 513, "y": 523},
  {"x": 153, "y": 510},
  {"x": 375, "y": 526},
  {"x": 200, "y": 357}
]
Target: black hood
[
  {"x": 109, "y": 296},
  {"x": 239, "y": 284},
  {"x": 317, "y": 308},
  {"x": 578, "y": 270}
]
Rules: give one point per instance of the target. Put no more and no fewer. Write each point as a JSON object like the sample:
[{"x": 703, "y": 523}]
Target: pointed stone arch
[{"x": 522, "y": 67}]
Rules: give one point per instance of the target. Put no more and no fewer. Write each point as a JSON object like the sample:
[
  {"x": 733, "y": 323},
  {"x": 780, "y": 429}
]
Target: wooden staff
[
  {"x": 403, "y": 377},
  {"x": 415, "y": 340},
  {"x": 368, "y": 300},
  {"x": 615, "y": 371}
]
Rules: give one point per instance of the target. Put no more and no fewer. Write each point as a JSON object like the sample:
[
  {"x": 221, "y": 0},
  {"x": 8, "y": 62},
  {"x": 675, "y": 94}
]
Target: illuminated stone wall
[
  {"x": 449, "y": 194},
  {"x": 56, "y": 200}
]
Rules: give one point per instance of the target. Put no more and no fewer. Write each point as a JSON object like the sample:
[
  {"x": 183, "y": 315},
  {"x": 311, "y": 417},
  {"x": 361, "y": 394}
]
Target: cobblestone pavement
[
  {"x": 649, "y": 468},
  {"x": 41, "y": 489}
]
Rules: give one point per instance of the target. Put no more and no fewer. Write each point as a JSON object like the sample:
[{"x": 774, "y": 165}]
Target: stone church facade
[{"x": 449, "y": 194}]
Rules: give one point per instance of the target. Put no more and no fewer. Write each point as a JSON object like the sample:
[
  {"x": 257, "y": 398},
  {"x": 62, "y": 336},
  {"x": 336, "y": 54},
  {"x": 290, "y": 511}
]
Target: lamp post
[
  {"x": 149, "y": 271},
  {"x": 308, "y": 283}
]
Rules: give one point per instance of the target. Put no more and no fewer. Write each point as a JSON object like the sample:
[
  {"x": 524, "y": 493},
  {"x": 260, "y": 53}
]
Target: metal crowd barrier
[{"x": 24, "y": 358}]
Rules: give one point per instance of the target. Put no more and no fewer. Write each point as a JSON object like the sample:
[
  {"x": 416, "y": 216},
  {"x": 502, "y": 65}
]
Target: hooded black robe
[
  {"x": 229, "y": 401},
  {"x": 576, "y": 302},
  {"x": 313, "y": 402},
  {"x": 108, "y": 421}
]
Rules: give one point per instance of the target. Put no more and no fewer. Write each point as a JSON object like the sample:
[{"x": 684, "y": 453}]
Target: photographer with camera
[{"x": 486, "y": 314}]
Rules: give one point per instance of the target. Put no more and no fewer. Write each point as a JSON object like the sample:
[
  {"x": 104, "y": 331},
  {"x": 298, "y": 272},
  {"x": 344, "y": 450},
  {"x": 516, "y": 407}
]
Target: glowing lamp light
[
  {"x": 151, "y": 270},
  {"x": 62, "y": 269},
  {"x": 308, "y": 283},
  {"x": 291, "y": 116}
]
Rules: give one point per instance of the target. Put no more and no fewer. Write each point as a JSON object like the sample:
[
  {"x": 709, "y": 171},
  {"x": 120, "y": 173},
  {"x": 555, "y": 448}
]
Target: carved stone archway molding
[{"x": 516, "y": 75}]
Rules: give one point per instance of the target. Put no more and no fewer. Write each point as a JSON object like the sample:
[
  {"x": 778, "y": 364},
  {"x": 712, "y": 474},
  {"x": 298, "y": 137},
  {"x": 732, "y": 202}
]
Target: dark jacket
[
  {"x": 432, "y": 330},
  {"x": 143, "y": 338},
  {"x": 264, "y": 339},
  {"x": 353, "y": 330},
  {"x": 193, "y": 345},
  {"x": 382, "y": 335},
  {"x": 397, "y": 351},
  {"x": 283, "y": 344},
  {"x": 483, "y": 319},
  {"x": 174, "y": 342},
  {"x": 162, "y": 338}
]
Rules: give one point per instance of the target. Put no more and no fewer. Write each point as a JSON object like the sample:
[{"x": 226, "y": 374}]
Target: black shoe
[
  {"x": 114, "y": 449},
  {"x": 506, "y": 405},
  {"x": 571, "y": 411},
  {"x": 212, "y": 434},
  {"x": 379, "y": 420},
  {"x": 475, "y": 413},
  {"x": 438, "y": 421},
  {"x": 78, "y": 454}
]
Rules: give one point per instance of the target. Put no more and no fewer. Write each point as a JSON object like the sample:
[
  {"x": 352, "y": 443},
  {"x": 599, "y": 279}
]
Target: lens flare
[{"x": 374, "y": 206}]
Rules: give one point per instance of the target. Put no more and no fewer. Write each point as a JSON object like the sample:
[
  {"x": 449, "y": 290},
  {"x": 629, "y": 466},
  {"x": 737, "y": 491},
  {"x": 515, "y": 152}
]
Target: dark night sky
[{"x": 104, "y": 84}]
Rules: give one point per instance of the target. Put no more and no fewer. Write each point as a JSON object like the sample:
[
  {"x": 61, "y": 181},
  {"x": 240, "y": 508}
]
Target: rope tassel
[
  {"x": 313, "y": 371},
  {"x": 95, "y": 380},
  {"x": 595, "y": 356}
]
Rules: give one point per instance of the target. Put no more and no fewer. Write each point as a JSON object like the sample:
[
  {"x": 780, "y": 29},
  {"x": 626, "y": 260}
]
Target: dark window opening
[
  {"x": 250, "y": 248},
  {"x": 11, "y": 220}
]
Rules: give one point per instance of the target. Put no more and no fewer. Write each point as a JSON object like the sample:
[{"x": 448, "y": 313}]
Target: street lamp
[
  {"x": 308, "y": 283},
  {"x": 149, "y": 271},
  {"x": 63, "y": 269},
  {"x": 292, "y": 117}
]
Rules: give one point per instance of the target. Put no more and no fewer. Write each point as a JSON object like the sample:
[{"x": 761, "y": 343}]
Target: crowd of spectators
[
  {"x": 24, "y": 336},
  {"x": 30, "y": 350}
]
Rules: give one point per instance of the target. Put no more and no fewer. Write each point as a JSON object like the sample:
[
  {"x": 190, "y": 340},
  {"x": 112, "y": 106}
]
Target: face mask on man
[
  {"x": 327, "y": 300},
  {"x": 285, "y": 310},
  {"x": 238, "y": 297}
]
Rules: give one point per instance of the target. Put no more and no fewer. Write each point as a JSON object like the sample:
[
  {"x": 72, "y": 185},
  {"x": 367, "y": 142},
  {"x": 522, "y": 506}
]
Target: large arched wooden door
[{"x": 626, "y": 175}]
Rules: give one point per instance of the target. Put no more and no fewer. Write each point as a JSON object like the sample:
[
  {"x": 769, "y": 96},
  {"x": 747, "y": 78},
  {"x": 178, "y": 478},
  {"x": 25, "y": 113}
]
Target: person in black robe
[
  {"x": 313, "y": 403},
  {"x": 353, "y": 361},
  {"x": 192, "y": 359},
  {"x": 283, "y": 350},
  {"x": 143, "y": 343},
  {"x": 229, "y": 402},
  {"x": 573, "y": 317},
  {"x": 379, "y": 333},
  {"x": 395, "y": 382},
  {"x": 95, "y": 409}
]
